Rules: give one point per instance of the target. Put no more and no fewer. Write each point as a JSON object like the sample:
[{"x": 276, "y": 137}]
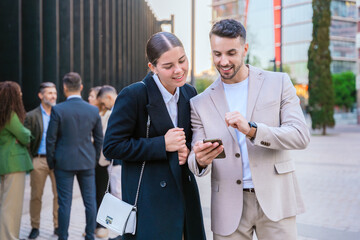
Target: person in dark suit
[
  {"x": 169, "y": 202},
  {"x": 70, "y": 152}
]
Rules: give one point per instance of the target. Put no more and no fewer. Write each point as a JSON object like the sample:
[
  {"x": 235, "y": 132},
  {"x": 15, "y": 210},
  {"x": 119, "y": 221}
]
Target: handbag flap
[{"x": 114, "y": 213}]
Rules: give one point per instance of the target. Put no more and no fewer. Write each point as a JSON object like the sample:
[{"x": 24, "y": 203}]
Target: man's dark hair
[
  {"x": 106, "y": 89},
  {"x": 44, "y": 85},
  {"x": 72, "y": 81},
  {"x": 229, "y": 28},
  {"x": 160, "y": 43}
]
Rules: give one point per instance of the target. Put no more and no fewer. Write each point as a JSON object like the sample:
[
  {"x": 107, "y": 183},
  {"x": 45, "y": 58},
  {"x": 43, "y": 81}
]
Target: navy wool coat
[{"x": 169, "y": 203}]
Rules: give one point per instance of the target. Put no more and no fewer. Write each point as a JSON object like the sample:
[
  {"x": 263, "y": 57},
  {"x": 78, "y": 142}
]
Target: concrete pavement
[{"x": 328, "y": 172}]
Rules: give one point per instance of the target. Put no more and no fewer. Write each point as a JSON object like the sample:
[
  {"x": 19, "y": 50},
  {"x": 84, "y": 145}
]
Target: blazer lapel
[
  {"x": 40, "y": 120},
  {"x": 255, "y": 82},
  {"x": 161, "y": 122},
  {"x": 219, "y": 99}
]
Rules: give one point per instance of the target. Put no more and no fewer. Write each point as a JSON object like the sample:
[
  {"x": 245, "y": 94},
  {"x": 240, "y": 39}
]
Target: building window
[
  {"x": 229, "y": 9},
  {"x": 342, "y": 49},
  {"x": 342, "y": 66},
  {"x": 343, "y": 9},
  {"x": 296, "y": 52},
  {"x": 297, "y": 33},
  {"x": 297, "y": 14},
  {"x": 343, "y": 29}
]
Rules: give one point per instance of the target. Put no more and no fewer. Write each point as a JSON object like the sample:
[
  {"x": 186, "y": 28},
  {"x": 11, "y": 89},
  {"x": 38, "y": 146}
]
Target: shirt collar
[
  {"x": 73, "y": 96},
  {"x": 165, "y": 93},
  {"x": 43, "y": 110}
]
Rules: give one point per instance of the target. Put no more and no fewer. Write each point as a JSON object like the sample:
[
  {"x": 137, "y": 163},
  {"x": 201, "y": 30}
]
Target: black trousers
[{"x": 101, "y": 180}]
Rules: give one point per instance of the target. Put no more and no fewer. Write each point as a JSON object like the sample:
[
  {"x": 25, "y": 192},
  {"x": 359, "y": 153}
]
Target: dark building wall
[{"x": 103, "y": 40}]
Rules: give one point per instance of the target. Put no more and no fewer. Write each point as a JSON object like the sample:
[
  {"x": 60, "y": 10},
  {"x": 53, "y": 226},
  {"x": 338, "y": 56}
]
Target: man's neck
[
  {"x": 68, "y": 94},
  {"x": 47, "y": 108}
]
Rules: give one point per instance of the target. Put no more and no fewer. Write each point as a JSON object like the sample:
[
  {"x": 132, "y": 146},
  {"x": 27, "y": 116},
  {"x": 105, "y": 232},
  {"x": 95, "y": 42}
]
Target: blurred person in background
[
  {"x": 101, "y": 174},
  {"x": 71, "y": 152},
  {"x": 15, "y": 160},
  {"x": 37, "y": 121},
  {"x": 106, "y": 98}
]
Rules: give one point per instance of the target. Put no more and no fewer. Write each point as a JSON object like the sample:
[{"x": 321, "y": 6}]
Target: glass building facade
[
  {"x": 228, "y": 9},
  {"x": 296, "y": 32},
  {"x": 297, "y": 35}
]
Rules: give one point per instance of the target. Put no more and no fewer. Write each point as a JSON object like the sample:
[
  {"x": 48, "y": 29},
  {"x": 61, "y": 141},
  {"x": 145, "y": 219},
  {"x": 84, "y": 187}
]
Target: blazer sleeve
[
  {"x": 21, "y": 133},
  {"x": 98, "y": 136},
  {"x": 120, "y": 141},
  {"x": 293, "y": 132},
  {"x": 198, "y": 134},
  {"x": 51, "y": 137}
]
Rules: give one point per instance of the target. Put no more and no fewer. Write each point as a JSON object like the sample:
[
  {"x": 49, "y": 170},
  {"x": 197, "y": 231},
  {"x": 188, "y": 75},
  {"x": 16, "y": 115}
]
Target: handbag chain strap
[{"x": 142, "y": 167}]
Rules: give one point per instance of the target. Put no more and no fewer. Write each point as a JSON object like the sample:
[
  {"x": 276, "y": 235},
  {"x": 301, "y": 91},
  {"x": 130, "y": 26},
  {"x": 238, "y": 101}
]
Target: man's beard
[
  {"x": 236, "y": 70},
  {"x": 47, "y": 102}
]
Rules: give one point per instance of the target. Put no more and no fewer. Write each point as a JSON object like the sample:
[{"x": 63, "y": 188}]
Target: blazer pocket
[
  {"x": 285, "y": 167},
  {"x": 267, "y": 105}
]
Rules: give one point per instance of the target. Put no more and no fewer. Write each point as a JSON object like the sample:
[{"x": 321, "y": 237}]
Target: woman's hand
[
  {"x": 183, "y": 155},
  {"x": 175, "y": 139}
]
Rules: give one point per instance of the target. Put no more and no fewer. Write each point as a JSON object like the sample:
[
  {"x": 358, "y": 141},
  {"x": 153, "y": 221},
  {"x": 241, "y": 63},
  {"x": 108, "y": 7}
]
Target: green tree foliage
[
  {"x": 344, "y": 87},
  {"x": 321, "y": 92},
  {"x": 202, "y": 83}
]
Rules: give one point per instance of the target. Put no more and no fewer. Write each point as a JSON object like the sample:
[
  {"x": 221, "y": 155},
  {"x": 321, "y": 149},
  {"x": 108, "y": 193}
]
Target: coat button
[
  {"x": 189, "y": 178},
  {"x": 262, "y": 142},
  {"x": 238, "y": 181},
  {"x": 237, "y": 155},
  {"x": 163, "y": 184}
]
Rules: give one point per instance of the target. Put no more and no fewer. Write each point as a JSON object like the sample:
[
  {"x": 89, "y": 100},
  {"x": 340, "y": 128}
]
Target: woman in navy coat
[{"x": 169, "y": 204}]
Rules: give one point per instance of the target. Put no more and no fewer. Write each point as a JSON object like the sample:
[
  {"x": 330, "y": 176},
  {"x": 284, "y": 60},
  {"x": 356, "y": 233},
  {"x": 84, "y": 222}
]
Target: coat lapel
[
  {"x": 256, "y": 79},
  {"x": 159, "y": 116},
  {"x": 219, "y": 99},
  {"x": 161, "y": 122}
]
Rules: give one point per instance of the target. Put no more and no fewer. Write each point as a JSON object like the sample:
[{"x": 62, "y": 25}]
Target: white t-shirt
[{"x": 236, "y": 96}]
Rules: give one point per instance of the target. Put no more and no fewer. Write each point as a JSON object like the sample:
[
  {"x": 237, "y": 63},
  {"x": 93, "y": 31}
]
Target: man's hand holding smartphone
[{"x": 206, "y": 151}]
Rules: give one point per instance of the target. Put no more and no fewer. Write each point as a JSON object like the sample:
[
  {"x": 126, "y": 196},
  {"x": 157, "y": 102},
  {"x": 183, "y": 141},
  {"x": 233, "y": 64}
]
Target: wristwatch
[{"x": 252, "y": 133}]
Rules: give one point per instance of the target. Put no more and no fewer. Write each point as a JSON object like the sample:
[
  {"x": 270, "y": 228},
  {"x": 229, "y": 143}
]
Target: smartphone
[{"x": 222, "y": 154}]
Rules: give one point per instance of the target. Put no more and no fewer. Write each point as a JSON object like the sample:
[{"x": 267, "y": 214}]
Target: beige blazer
[{"x": 273, "y": 105}]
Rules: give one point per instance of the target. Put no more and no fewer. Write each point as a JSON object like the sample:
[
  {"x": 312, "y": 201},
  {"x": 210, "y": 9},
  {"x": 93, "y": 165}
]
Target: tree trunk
[{"x": 324, "y": 130}]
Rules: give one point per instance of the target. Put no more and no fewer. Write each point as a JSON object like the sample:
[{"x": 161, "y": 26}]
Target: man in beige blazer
[{"x": 257, "y": 116}]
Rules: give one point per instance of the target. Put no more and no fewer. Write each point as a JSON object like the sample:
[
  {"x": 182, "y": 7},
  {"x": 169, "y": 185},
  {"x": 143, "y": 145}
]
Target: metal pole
[
  {"x": 172, "y": 24},
  {"x": 192, "y": 42}
]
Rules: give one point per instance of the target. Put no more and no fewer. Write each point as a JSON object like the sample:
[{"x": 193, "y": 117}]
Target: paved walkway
[{"x": 328, "y": 172}]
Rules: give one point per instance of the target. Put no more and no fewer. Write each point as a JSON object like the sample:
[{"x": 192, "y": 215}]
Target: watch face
[{"x": 253, "y": 124}]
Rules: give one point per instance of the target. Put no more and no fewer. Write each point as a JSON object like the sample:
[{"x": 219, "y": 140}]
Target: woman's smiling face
[{"x": 172, "y": 68}]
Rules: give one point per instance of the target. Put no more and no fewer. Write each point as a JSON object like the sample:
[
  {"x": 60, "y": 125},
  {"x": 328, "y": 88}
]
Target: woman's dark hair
[
  {"x": 159, "y": 43},
  {"x": 10, "y": 99},
  {"x": 229, "y": 28}
]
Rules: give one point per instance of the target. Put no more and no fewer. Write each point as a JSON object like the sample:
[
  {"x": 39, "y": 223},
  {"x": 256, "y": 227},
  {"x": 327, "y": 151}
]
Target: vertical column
[
  {"x": 65, "y": 39},
  {"x": 31, "y": 51},
  {"x": 88, "y": 45},
  {"x": 78, "y": 38},
  {"x": 10, "y": 41},
  {"x": 51, "y": 42}
]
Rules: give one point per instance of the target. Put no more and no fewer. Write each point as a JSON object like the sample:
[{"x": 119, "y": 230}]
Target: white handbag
[{"x": 115, "y": 214}]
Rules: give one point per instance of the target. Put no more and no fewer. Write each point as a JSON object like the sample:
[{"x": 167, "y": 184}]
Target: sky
[{"x": 182, "y": 14}]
